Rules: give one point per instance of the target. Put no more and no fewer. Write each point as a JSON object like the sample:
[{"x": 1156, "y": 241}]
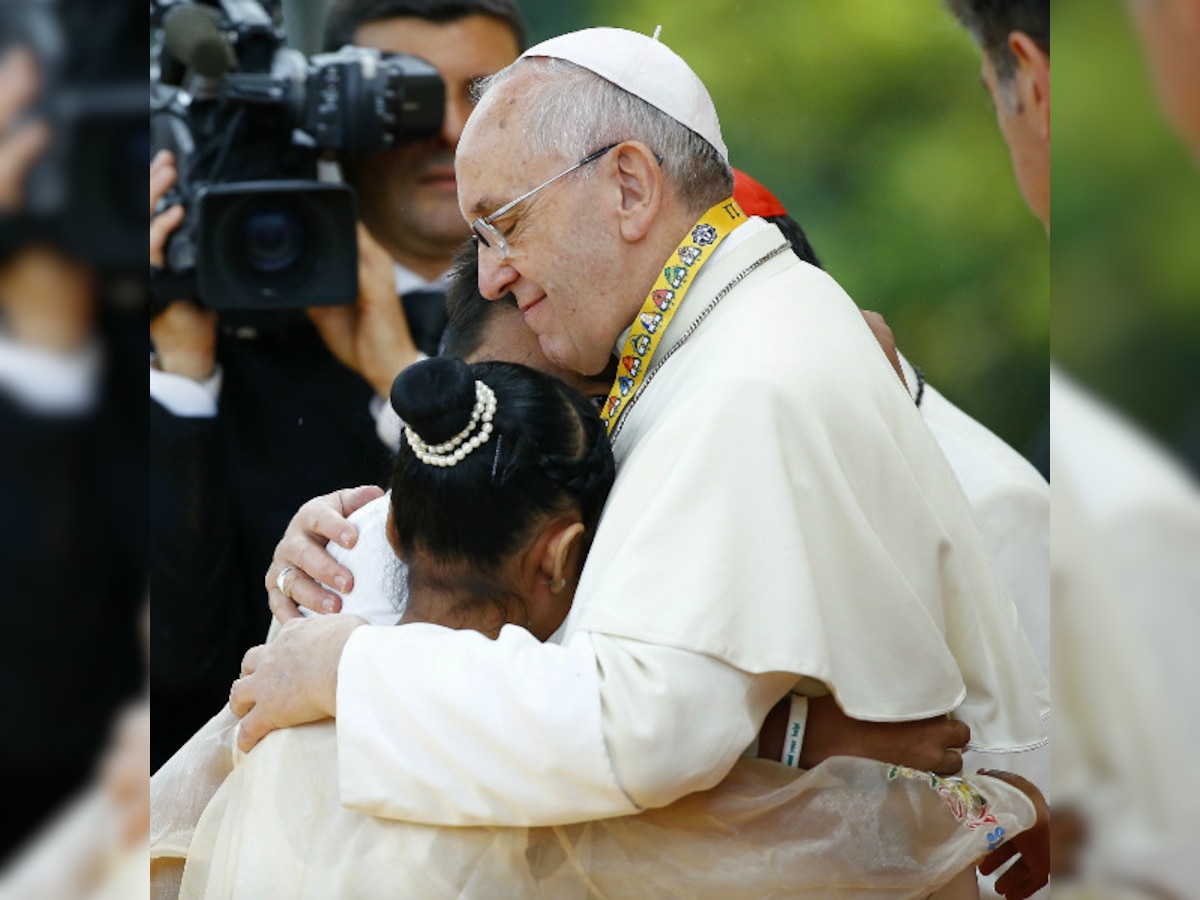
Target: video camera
[{"x": 249, "y": 120}]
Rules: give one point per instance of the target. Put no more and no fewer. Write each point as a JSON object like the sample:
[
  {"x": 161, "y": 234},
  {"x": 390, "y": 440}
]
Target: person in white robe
[
  {"x": 269, "y": 823},
  {"x": 782, "y": 518},
  {"x": 1009, "y": 498}
]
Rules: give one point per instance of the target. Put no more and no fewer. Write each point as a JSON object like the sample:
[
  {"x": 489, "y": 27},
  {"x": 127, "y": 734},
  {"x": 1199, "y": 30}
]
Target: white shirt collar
[{"x": 408, "y": 281}]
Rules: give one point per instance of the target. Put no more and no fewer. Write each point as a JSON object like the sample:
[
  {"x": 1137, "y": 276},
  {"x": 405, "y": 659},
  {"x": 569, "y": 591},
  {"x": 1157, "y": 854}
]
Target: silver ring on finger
[{"x": 281, "y": 580}]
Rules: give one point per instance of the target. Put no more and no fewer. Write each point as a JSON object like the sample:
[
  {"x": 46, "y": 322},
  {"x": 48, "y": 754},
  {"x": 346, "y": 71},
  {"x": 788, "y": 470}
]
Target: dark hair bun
[{"x": 435, "y": 397}]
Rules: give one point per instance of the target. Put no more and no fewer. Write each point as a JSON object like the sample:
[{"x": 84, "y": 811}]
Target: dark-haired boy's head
[
  {"x": 992, "y": 21},
  {"x": 408, "y": 196},
  {"x": 478, "y": 329}
]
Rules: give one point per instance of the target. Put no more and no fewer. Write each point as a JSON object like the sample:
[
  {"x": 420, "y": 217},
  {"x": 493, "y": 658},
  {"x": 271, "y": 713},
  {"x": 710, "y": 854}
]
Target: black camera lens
[
  {"x": 276, "y": 245},
  {"x": 272, "y": 238}
]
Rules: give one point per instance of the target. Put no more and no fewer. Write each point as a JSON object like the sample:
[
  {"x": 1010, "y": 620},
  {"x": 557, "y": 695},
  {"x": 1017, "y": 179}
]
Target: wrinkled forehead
[{"x": 495, "y": 162}]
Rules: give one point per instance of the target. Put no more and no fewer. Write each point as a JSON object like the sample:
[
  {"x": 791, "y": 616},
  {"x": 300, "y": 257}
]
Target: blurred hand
[
  {"x": 302, "y": 547},
  {"x": 47, "y": 299},
  {"x": 887, "y": 341},
  {"x": 931, "y": 745},
  {"x": 372, "y": 336},
  {"x": 125, "y": 774},
  {"x": 292, "y": 680},
  {"x": 1031, "y": 871},
  {"x": 184, "y": 335},
  {"x": 19, "y": 145}
]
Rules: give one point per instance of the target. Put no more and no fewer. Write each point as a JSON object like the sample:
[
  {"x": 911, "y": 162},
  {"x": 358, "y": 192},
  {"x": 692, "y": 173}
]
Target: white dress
[{"x": 848, "y": 828}]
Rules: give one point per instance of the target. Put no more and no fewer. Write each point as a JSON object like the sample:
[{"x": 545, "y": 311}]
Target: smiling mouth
[{"x": 526, "y": 307}]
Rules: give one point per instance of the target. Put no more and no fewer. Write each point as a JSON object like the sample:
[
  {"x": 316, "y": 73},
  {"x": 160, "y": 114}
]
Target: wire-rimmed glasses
[{"x": 489, "y": 236}]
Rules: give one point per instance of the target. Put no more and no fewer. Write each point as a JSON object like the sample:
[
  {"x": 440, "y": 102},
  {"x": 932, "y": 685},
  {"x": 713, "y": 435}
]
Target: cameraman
[
  {"x": 247, "y": 425},
  {"x": 70, "y": 461}
]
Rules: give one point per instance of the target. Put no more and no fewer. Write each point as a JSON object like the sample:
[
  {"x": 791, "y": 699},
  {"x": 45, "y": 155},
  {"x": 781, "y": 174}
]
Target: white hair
[{"x": 570, "y": 111}]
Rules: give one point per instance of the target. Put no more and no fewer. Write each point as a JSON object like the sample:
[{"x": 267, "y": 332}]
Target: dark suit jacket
[{"x": 73, "y": 552}]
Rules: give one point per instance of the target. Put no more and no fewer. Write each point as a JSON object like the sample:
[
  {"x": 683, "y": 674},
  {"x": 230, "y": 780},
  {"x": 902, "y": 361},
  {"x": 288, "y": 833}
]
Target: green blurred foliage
[
  {"x": 1126, "y": 209},
  {"x": 868, "y": 120}
]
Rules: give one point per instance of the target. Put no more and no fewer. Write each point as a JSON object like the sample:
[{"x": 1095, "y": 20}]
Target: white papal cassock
[{"x": 781, "y": 514}]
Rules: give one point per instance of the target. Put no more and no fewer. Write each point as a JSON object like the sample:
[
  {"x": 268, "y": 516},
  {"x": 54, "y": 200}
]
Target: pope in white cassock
[{"x": 782, "y": 518}]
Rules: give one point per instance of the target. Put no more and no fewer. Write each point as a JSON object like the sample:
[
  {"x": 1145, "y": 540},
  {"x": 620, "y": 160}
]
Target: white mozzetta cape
[
  {"x": 781, "y": 513},
  {"x": 781, "y": 506}
]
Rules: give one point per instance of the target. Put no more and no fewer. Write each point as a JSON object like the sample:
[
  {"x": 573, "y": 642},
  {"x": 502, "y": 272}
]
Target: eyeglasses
[{"x": 487, "y": 234}]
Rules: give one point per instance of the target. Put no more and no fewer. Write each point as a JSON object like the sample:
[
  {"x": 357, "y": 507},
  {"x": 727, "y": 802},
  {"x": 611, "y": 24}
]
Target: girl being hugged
[
  {"x": 498, "y": 485},
  {"x": 496, "y": 493}
]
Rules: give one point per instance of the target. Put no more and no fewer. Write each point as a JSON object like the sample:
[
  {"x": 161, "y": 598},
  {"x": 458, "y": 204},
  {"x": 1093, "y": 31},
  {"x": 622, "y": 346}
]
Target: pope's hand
[
  {"x": 292, "y": 680},
  {"x": 302, "y": 560}
]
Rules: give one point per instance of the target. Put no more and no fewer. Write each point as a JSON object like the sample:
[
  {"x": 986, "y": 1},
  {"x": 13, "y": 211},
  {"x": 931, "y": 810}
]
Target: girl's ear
[
  {"x": 391, "y": 533},
  {"x": 562, "y": 554},
  {"x": 551, "y": 566}
]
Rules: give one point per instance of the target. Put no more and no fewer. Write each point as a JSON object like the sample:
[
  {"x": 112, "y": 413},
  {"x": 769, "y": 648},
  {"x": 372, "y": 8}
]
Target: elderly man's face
[
  {"x": 409, "y": 195},
  {"x": 565, "y": 252}
]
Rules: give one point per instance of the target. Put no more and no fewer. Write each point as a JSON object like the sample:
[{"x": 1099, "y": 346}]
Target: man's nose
[{"x": 496, "y": 276}]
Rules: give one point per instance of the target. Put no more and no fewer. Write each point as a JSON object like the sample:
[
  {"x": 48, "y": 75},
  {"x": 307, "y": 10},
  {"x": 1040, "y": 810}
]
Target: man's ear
[
  {"x": 640, "y": 181},
  {"x": 1033, "y": 80}
]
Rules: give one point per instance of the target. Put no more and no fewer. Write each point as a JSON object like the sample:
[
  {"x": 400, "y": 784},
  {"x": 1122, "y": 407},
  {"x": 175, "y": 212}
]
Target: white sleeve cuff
[
  {"x": 183, "y": 396},
  {"x": 46, "y": 382},
  {"x": 793, "y": 738},
  {"x": 387, "y": 423}
]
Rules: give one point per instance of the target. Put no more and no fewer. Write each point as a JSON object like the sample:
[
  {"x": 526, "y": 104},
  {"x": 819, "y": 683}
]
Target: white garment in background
[
  {"x": 1010, "y": 501},
  {"x": 49, "y": 383},
  {"x": 1126, "y": 618},
  {"x": 780, "y": 511}
]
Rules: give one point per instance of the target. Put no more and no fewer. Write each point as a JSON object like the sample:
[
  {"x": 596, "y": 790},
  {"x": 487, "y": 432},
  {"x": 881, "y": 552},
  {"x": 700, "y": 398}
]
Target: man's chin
[
  {"x": 438, "y": 219},
  {"x": 563, "y": 355}
]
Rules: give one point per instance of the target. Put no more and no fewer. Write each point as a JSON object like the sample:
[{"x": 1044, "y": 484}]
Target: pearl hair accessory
[{"x": 455, "y": 450}]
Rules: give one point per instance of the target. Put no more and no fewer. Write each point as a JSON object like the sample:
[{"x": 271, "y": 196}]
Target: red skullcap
[{"x": 753, "y": 198}]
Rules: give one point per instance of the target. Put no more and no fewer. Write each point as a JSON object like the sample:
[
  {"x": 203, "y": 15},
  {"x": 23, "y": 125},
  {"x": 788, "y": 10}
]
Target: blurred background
[
  {"x": 868, "y": 121},
  {"x": 1126, "y": 209}
]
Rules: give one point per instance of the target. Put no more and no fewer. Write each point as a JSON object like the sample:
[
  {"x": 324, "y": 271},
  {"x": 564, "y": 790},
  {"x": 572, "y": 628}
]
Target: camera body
[{"x": 250, "y": 122}]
